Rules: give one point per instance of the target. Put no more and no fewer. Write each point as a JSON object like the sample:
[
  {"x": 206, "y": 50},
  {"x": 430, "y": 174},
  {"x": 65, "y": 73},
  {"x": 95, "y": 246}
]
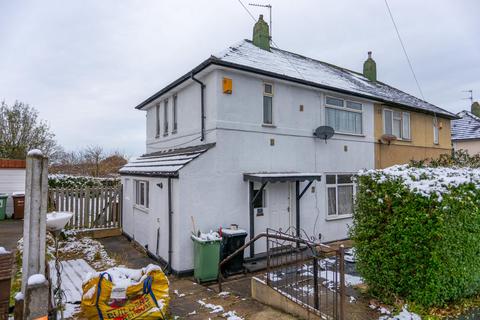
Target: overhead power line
[{"x": 404, "y": 50}]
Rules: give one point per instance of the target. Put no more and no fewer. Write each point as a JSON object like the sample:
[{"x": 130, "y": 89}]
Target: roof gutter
[{"x": 215, "y": 61}]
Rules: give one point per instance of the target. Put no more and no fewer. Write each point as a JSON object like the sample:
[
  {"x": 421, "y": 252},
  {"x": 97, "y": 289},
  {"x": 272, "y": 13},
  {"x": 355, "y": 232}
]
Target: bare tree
[
  {"x": 94, "y": 155},
  {"x": 21, "y": 131}
]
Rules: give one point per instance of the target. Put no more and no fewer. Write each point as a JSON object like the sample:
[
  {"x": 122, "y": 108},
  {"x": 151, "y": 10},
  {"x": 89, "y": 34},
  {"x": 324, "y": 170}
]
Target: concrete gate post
[{"x": 34, "y": 224}]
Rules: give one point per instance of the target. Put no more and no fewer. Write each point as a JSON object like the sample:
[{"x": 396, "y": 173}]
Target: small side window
[
  {"x": 435, "y": 131},
  {"x": 165, "y": 117},
  {"x": 157, "y": 120},
  {"x": 141, "y": 193},
  {"x": 268, "y": 103},
  {"x": 174, "y": 114}
]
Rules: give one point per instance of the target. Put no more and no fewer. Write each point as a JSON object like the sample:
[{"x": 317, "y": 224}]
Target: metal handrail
[{"x": 257, "y": 237}]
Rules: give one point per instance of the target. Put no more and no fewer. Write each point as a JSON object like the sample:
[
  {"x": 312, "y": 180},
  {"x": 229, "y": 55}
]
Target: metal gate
[{"x": 307, "y": 272}]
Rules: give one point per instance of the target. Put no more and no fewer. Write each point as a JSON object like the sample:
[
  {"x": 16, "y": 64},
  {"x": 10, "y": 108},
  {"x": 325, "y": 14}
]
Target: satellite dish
[
  {"x": 324, "y": 132},
  {"x": 388, "y": 138}
]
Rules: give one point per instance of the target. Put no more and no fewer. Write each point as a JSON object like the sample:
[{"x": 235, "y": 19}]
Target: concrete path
[
  {"x": 185, "y": 294},
  {"x": 10, "y": 232}
]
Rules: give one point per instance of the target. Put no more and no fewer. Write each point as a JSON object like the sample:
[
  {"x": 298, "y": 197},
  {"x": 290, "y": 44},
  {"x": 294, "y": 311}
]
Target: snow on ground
[
  {"x": 69, "y": 310},
  {"x": 91, "y": 250},
  {"x": 404, "y": 315},
  {"x": 231, "y": 315},
  {"x": 213, "y": 307}
]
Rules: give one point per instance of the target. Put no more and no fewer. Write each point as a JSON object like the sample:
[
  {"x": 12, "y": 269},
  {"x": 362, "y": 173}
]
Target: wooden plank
[
  {"x": 102, "y": 201},
  {"x": 86, "y": 209},
  {"x": 72, "y": 277},
  {"x": 80, "y": 211},
  {"x": 97, "y": 205},
  {"x": 57, "y": 197}
]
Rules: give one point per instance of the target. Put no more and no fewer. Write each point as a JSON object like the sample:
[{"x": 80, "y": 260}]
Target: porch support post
[
  {"x": 299, "y": 196},
  {"x": 252, "y": 217},
  {"x": 297, "y": 207}
]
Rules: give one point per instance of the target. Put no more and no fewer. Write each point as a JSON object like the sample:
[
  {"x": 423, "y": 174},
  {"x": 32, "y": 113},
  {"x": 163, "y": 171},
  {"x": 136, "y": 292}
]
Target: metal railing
[
  {"x": 308, "y": 273},
  {"x": 304, "y": 270}
]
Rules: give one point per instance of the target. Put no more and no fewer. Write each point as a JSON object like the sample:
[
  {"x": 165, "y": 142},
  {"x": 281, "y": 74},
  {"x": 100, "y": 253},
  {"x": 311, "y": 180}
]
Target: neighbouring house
[
  {"x": 466, "y": 130},
  {"x": 12, "y": 180},
  {"x": 232, "y": 141}
]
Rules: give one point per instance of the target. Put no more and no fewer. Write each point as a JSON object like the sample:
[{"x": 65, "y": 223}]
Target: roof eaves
[
  {"x": 177, "y": 82},
  {"x": 447, "y": 115}
]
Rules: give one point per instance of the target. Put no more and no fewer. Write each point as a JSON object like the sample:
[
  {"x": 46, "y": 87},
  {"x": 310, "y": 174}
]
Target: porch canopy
[{"x": 272, "y": 177}]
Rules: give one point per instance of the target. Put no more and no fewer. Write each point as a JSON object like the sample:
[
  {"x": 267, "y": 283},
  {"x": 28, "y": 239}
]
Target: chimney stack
[
  {"x": 370, "y": 68},
  {"x": 475, "y": 109},
  {"x": 261, "y": 34}
]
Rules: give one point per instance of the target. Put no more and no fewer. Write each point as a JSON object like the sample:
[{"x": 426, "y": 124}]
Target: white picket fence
[{"x": 93, "y": 208}]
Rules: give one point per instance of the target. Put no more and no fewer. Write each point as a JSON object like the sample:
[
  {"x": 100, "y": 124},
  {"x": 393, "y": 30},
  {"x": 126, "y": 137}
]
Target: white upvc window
[
  {"x": 174, "y": 114},
  {"x": 340, "y": 195},
  {"x": 344, "y": 116},
  {"x": 397, "y": 123},
  {"x": 268, "y": 103},
  {"x": 141, "y": 193},
  {"x": 165, "y": 117},
  {"x": 157, "y": 120},
  {"x": 435, "y": 131}
]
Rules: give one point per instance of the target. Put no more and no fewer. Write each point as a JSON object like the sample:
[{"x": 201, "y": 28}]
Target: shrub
[
  {"x": 417, "y": 233},
  {"x": 67, "y": 181}
]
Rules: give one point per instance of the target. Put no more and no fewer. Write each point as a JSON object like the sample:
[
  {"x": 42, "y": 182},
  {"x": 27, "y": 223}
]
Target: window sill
[
  {"x": 350, "y": 134},
  {"x": 141, "y": 208},
  {"x": 333, "y": 218},
  {"x": 268, "y": 125}
]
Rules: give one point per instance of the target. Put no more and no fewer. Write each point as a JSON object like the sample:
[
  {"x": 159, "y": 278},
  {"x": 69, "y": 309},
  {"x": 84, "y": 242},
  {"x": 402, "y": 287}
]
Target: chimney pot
[{"x": 370, "y": 68}]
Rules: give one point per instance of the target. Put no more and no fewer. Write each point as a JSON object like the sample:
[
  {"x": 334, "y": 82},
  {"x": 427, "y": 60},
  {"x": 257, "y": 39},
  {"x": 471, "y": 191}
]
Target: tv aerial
[
  {"x": 269, "y": 6},
  {"x": 470, "y": 96},
  {"x": 324, "y": 132}
]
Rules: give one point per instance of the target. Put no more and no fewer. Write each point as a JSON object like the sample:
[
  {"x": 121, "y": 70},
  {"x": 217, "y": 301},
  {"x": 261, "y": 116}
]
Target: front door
[{"x": 276, "y": 212}]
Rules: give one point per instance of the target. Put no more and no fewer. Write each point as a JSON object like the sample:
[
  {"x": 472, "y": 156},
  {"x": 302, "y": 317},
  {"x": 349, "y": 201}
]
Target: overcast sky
[{"x": 85, "y": 64}]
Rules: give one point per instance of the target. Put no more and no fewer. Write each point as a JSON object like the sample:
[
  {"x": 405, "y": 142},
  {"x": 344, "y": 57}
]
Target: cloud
[{"x": 85, "y": 64}]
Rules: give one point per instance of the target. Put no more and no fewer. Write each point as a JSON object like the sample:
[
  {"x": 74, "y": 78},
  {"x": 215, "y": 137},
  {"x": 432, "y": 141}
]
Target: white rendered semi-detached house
[{"x": 239, "y": 127}]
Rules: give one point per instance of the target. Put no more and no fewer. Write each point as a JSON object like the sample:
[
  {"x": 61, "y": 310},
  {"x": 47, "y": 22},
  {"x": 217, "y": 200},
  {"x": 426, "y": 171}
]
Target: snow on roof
[
  {"x": 163, "y": 163},
  {"x": 281, "y": 176},
  {"x": 306, "y": 69},
  {"x": 467, "y": 127}
]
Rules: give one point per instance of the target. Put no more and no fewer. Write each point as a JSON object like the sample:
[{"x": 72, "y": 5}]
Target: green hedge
[
  {"x": 417, "y": 234},
  {"x": 67, "y": 181}
]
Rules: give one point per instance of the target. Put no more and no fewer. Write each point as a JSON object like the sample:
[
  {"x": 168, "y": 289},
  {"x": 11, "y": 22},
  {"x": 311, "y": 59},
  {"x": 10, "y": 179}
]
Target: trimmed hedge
[
  {"x": 417, "y": 233},
  {"x": 67, "y": 181}
]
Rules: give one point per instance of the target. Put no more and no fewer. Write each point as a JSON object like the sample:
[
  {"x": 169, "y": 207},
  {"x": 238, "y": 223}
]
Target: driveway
[{"x": 10, "y": 232}]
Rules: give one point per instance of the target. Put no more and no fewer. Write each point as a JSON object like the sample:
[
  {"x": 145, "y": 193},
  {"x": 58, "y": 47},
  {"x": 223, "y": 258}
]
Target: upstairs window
[
  {"x": 174, "y": 114},
  {"x": 340, "y": 194},
  {"x": 141, "y": 193},
  {"x": 343, "y": 116},
  {"x": 268, "y": 103},
  {"x": 397, "y": 123},
  {"x": 435, "y": 131},
  {"x": 157, "y": 120},
  {"x": 165, "y": 117}
]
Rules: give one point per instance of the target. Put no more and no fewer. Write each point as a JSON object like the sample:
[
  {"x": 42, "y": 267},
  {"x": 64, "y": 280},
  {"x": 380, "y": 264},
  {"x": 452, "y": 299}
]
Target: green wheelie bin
[
  {"x": 3, "y": 205},
  {"x": 206, "y": 258}
]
